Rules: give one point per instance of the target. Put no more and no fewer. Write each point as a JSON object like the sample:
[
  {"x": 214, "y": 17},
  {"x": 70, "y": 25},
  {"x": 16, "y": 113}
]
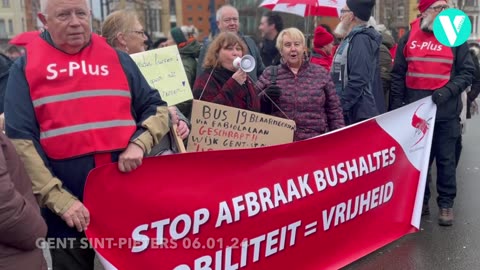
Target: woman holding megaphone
[{"x": 224, "y": 79}]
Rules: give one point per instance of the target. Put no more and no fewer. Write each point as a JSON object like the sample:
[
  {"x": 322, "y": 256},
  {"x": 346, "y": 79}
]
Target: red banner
[{"x": 315, "y": 204}]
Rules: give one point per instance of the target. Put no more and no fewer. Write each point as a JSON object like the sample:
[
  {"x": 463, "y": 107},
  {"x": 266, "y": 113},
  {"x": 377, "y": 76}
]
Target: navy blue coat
[{"x": 357, "y": 79}]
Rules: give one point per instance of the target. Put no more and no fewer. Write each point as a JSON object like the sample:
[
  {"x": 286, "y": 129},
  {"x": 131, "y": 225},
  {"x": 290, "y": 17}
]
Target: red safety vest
[
  {"x": 82, "y": 102},
  {"x": 429, "y": 62}
]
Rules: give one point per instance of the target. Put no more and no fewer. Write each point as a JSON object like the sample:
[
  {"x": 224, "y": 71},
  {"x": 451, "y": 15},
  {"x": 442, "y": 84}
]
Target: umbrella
[
  {"x": 24, "y": 38},
  {"x": 304, "y": 8}
]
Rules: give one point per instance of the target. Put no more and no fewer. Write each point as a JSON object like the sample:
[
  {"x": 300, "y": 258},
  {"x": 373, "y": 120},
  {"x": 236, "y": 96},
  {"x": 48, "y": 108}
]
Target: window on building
[
  {"x": 387, "y": 15},
  {"x": 172, "y": 7},
  {"x": 6, "y": 3},
  {"x": 200, "y": 19},
  {"x": 10, "y": 27},
  {"x": 3, "y": 31},
  {"x": 200, "y": 7},
  {"x": 152, "y": 20},
  {"x": 475, "y": 25},
  {"x": 400, "y": 13},
  {"x": 190, "y": 20},
  {"x": 472, "y": 20},
  {"x": 470, "y": 3},
  {"x": 189, "y": 7}
]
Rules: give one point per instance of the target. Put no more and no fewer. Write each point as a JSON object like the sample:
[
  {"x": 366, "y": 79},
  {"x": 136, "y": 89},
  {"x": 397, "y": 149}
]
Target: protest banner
[
  {"x": 217, "y": 127},
  {"x": 315, "y": 204},
  {"x": 164, "y": 71}
]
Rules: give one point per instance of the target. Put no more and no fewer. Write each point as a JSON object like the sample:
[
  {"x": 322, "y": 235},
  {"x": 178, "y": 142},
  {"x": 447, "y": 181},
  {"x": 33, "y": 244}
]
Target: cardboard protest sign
[
  {"x": 321, "y": 203},
  {"x": 216, "y": 127},
  {"x": 164, "y": 71}
]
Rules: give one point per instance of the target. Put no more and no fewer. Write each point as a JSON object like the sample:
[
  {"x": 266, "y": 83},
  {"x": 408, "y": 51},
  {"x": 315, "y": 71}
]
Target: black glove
[
  {"x": 441, "y": 96},
  {"x": 270, "y": 96},
  {"x": 274, "y": 92}
]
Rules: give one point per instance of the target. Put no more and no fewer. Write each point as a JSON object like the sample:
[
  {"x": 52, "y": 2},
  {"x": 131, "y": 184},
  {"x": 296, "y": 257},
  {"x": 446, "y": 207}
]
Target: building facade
[
  {"x": 32, "y": 8},
  {"x": 395, "y": 15},
  {"x": 471, "y": 7},
  {"x": 201, "y": 14},
  {"x": 12, "y": 19},
  {"x": 151, "y": 13},
  {"x": 413, "y": 10}
]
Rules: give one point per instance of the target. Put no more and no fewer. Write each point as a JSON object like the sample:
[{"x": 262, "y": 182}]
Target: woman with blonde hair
[
  {"x": 123, "y": 31},
  {"x": 299, "y": 90},
  {"x": 221, "y": 82}
]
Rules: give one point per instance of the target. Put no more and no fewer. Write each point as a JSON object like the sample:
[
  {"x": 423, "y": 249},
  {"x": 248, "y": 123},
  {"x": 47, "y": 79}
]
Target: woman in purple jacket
[{"x": 299, "y": 90}]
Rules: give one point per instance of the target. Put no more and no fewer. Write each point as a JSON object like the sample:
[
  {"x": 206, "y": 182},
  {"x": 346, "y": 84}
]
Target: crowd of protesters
[{"x": 346, "y": 76}]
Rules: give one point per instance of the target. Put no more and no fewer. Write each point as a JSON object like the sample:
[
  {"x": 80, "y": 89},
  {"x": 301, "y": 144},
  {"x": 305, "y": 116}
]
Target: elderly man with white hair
[
  {"x": 424, "y": 67},
  {"x": 77, "y": 104}
]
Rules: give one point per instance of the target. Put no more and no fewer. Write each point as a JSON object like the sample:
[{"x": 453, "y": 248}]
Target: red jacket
[
  {"x": 321, "y": 58},
  {"x": 393, "y": 52}
]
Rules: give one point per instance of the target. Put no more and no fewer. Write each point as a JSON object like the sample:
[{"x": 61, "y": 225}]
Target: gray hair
[
  {"x": 373, "y": 23},
  {"x": 43, "y": 5},
  {"x": 360, "y": 21},
  {"x": 381, "y": 28},
  {"x": 293, "y": 33},
  {"x": 189, "y": 31},
  {"x": 220, "y": 11}
]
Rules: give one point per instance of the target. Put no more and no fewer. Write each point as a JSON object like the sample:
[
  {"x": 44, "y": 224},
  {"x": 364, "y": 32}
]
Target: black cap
[{"x": 362, "y": 9}]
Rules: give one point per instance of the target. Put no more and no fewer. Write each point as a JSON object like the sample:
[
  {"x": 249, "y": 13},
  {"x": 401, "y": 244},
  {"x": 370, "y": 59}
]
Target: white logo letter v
[{"x": 450, "y": 32}]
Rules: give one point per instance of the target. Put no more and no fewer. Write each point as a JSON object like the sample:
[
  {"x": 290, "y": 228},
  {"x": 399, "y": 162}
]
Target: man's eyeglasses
[
  {"x": 228, "y": 20},
  {"x": 343, "y": 11},
  {"x": 439, "y": 8}
]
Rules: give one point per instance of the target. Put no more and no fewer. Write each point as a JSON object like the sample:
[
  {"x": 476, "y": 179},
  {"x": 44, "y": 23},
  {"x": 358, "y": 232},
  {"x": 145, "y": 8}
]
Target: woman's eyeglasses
[{"x": 138, "y": 32}]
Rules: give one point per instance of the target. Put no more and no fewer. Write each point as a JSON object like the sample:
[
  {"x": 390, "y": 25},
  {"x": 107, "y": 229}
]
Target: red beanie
[
  {"x": 321, "y": 37},
  {"x": 424, "y": 4}
]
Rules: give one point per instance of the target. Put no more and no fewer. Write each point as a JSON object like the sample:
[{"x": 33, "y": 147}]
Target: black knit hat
[{"x": 362, "y": 9}]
